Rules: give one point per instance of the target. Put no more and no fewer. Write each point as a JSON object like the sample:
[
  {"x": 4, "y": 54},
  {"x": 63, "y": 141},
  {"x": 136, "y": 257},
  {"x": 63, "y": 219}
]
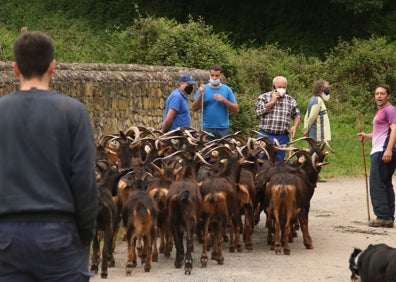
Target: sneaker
[{"x": 381, "y": 222}]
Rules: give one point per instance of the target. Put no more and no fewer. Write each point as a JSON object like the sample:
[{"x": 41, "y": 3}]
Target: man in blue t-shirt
[
  {"x": 218, "y": 101},
  {"x": 177, "y": 112}
]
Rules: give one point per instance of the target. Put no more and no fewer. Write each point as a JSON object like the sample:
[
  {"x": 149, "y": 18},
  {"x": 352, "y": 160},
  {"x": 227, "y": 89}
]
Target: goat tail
[
  {"x": 283, "y": 192},
  {"x": 212, "y": 198},
  {"x": 184, "y": 196},
  {"x": 141, "y": 210}
]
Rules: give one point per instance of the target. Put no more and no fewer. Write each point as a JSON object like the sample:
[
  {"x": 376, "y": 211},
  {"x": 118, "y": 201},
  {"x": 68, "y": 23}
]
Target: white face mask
[
  {"x": 281, "y": 91},
  {"x": 214, "y": 82}
]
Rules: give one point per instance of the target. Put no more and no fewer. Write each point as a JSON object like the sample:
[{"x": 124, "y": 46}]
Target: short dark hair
[
  {"x": 33, "y": 53},
  {"x": 216, "y": 67},
  {"x": 385, "y": 86}
]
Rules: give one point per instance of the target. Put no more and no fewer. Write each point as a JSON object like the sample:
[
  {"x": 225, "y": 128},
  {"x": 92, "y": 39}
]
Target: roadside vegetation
[{"x": 353, "y": 67}]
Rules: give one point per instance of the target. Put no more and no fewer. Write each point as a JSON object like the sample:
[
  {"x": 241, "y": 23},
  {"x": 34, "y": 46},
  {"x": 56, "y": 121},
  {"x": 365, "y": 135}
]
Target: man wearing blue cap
[{"x": 177, "y": 111}]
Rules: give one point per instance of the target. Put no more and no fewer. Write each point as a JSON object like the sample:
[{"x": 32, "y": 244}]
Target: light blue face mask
[{"x": 214, "y": 82}]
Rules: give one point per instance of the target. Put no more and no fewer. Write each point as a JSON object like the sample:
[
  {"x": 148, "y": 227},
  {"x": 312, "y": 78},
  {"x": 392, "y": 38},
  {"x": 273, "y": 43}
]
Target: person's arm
[
  {"x": 82, "y": 176},
  {"x": 313, "y": 114},
  {"x": 232, "y": 107},
  {"x": 263, "y": 107},
  {"x": 197, "y": 104},
  {"x": 296, "y": 122},
  {"x": 168, "y": 120},
  {"x": 387, "y": 156},
  {"x": 364, "y": 136}
]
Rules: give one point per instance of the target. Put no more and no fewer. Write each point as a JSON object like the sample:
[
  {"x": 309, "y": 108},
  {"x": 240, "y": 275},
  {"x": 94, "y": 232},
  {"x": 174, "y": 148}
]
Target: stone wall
[{"x": 117, "y": 96}]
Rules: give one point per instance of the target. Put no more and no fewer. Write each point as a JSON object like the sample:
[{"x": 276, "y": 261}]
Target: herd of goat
[{"x": 180, "y": 187}]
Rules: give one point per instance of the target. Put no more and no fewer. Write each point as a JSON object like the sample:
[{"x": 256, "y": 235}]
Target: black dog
[{"x": 374, "y": 264}]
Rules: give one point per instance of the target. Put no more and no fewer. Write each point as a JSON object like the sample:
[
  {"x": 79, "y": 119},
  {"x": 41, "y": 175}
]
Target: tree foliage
[{"x": 360, "y": 6}]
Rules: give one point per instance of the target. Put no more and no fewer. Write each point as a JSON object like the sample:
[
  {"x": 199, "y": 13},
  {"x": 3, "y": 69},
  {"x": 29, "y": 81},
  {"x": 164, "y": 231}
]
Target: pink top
[{"x": 381, "y": 131}]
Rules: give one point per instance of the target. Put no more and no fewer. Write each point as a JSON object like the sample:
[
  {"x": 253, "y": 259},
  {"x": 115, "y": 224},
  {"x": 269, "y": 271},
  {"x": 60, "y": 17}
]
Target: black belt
[{"x": 274, "y": 132}]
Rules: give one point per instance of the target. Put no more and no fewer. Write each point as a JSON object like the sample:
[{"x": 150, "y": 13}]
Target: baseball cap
[{"x": 187, "y": 78}]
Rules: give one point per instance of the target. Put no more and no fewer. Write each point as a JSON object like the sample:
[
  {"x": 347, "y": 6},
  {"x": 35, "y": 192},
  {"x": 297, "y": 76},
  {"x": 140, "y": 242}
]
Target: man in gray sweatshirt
[{"x": 48, "y": 193}]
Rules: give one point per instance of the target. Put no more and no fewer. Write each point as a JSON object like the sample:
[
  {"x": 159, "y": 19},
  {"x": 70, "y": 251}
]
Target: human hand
[
  {"x": 292, "y": 132},
  {"x": 219, "y": 98},
  {"x": 305, "y": 133},
  {"x": 275, "y": 96},
  {"x": 202, "y": 88},
  {"x": 361, "y": 136},
  {"x": 387, "y": 156}
]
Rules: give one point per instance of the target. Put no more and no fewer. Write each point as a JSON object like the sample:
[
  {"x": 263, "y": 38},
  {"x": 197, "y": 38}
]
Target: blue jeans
[
  {"x": 381, "y": 189},
  {"x": 282, "y": 140},
  {"x": 217, "y": 132},
  {"x": 42, "y": 252}
]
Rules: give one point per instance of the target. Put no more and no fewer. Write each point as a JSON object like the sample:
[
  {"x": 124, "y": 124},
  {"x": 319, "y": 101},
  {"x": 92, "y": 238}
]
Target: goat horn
[
  {"x": 159, "y": 169},
  {"x": 135, "y": 130},
  {"x": 199, "y": 156}
]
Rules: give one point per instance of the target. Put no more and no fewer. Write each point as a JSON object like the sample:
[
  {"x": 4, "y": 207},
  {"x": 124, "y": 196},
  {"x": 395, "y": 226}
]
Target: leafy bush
[
  {"x": 159, "y": 41},
  {"x": 355, "y": 68}
]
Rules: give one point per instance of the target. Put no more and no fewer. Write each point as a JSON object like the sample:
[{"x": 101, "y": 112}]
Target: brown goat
[
  {"x": 283, "y": 191},
  {"x": 158, "y": 191},
  {"x": 108, "y": 216},
  {"x": 184, "y": 210},
  {"x": 219, "y": 202},
  {"x": 139, "y": 219}
]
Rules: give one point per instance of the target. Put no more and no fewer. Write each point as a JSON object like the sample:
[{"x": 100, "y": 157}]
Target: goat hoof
[
  {"x": 129, "y": 268},
  {"x": 249, "y": 246},
  {"x": 220, "y": 261},
  {"x": 239, "y": 248},
  {"x": 178, "y": 264},
  {"x": 147, "y": 268},
  {"x": 103, "y": 275},
  {"x": 187, "y": 270},
  {"x": 94, "y": 268},
  {"x": 154, "y": 258},
  {"x": 231, "y": 249},
  {"x": 286, "y": 251},
  {"x": 308, "y": 245},
  {"x": 204, "y": 260},
  {"x": 214, "y": 256}
]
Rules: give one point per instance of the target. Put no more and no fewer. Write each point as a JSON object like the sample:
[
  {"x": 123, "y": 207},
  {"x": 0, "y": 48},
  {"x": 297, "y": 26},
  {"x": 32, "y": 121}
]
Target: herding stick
[{"x": 364, "y": 165}]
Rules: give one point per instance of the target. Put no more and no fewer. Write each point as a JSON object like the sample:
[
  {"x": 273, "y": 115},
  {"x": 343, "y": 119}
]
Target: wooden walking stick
[
  {"x": 202, "y": 109},
  {"x": 364, "y": 165}
]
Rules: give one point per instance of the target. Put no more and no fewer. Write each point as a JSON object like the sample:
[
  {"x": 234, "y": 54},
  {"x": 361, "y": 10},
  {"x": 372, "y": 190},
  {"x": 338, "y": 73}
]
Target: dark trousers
[
  {"x": 381, "y": 189},
  {"x": 42, "y": 252}
]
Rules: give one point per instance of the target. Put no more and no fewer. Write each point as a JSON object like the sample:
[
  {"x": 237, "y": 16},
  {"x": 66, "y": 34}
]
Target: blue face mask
[{"x": 214, "y": 82}]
